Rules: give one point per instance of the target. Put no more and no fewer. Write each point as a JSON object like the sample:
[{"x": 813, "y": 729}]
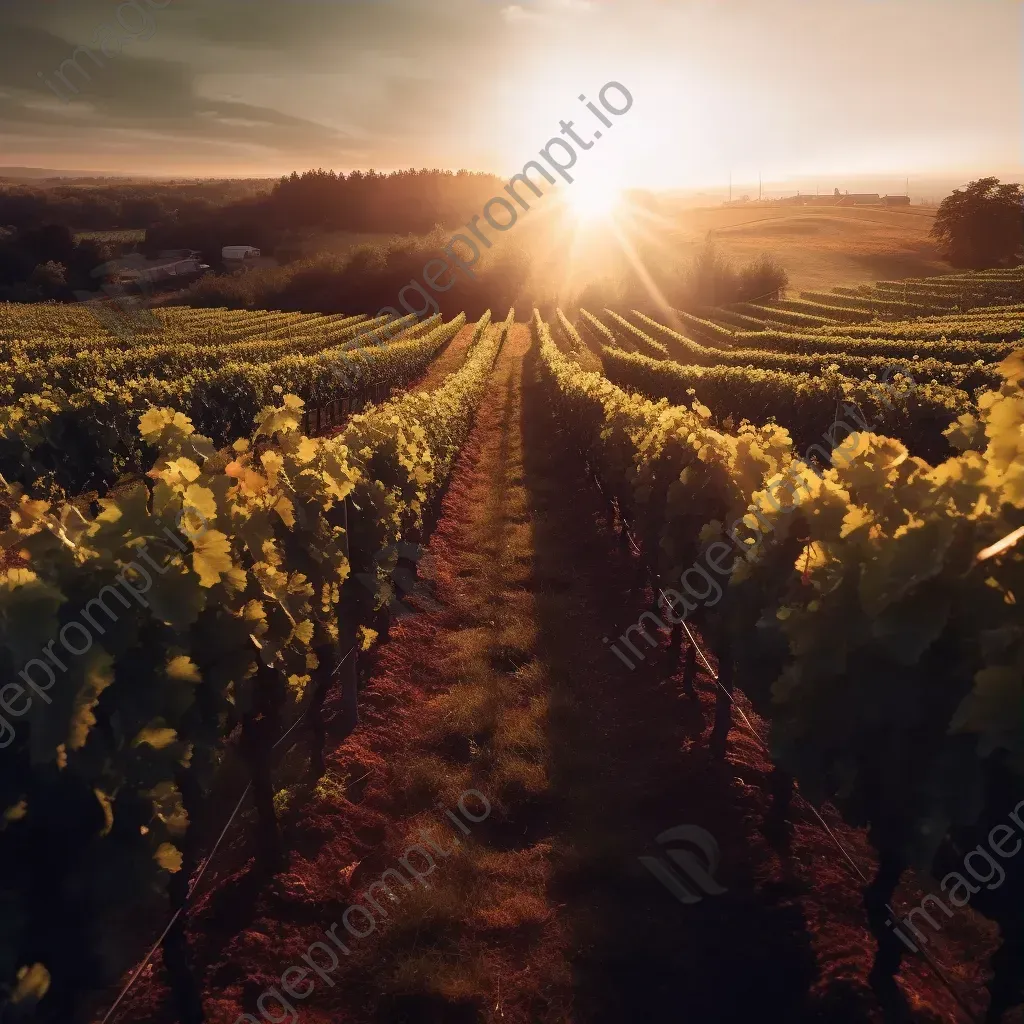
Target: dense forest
[
  {"x": 47, "y": 262},
  {"x": 117, "y": 204},
  {"x": 175, "y": 213}
]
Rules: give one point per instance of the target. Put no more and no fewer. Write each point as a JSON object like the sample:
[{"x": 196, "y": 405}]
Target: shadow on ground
[{"x": 625, "y": 768}]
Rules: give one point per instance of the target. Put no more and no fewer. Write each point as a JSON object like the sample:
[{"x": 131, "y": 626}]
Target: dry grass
[{"x": 823, "y": 247}]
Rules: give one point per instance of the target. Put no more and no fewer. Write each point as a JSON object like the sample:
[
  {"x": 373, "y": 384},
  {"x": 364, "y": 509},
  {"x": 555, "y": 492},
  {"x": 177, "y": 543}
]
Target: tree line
[
  {"x": 39, "y": 263},
  {"x": 89, "y": 205},
  {"x": 399, "y": 202}
]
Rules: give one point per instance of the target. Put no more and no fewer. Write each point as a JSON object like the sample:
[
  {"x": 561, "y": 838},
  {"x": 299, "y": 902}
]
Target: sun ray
[{"x": 644, "y": 276}]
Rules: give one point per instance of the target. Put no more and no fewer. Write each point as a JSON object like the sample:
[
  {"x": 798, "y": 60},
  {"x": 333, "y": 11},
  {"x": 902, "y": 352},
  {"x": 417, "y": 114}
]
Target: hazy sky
[{"x": 790, "y": 87}]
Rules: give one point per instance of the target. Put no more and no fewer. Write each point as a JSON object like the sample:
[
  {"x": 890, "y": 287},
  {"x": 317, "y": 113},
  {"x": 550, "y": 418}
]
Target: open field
[
  {"x": 821, "y": 247},
  {"x": 120, "y": 236}
]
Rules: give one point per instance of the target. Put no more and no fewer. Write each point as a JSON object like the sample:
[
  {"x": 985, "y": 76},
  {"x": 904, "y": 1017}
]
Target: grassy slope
[{"x": 825, "y": 247}]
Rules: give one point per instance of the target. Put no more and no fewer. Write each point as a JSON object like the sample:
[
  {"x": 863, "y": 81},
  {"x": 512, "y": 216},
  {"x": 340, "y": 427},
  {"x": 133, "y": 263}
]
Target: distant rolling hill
[{"x": 37, "y": 173}]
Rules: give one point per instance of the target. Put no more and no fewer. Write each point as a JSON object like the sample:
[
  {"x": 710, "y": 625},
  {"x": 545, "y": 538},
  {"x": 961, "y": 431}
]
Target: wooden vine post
[
  {"x": 348, "y": 670},
  {"x": 690, "y": 670},
  {"x": 340, "y": 661},
  {"x": 723, "y": 703},
  {"x": 261, "y": 727}
]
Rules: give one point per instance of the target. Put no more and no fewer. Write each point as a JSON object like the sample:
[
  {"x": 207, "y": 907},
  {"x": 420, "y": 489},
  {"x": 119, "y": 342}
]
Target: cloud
[
  {"x": 296, "y": 82},
  {"x": 251, "y": 86},
  {"x": 516, "y": 15}
]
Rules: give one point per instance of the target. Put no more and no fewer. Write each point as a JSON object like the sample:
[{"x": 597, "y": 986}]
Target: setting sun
[{"x": 594, "y": 199}]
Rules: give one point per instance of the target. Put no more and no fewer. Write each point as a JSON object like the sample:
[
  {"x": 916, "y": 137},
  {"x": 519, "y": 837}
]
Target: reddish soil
[
  {"x": 451, "y": 357},
  {"x": 543, "y": 913}
]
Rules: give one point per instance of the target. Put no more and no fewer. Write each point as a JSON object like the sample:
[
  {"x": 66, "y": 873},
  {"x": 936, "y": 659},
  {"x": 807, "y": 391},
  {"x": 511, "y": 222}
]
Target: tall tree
[{"x": 982, "y": 225}]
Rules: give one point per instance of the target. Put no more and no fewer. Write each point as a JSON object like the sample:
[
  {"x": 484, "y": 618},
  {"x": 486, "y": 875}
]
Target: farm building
[
  {"x": 859, "y": 199},
  {"x": 135, "y": 268}
]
